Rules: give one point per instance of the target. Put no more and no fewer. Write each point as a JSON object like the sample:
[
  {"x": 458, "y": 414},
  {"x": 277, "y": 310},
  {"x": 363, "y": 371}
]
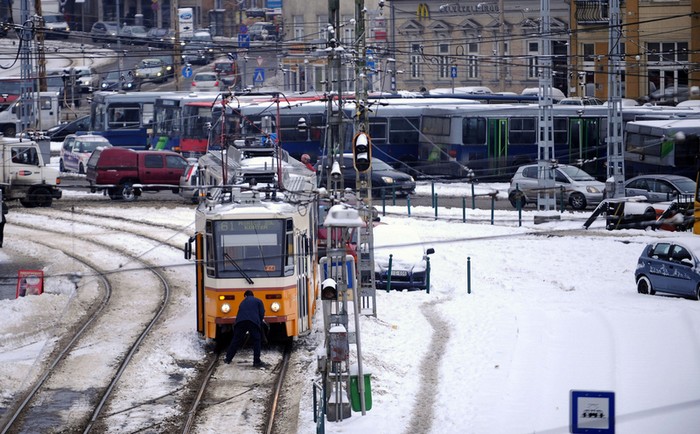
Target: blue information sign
[
  {"x": 259, "y": 75},
  {"x": 592, "y": 412},
  {"x": 244, "y": 40},
  {"x": 453, "y": 71},
  {"x": 187, "y": 71}
]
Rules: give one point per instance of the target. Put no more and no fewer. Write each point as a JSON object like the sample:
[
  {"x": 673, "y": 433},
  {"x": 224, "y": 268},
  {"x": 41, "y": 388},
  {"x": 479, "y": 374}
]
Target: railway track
[{"x": 108, "y": 392}]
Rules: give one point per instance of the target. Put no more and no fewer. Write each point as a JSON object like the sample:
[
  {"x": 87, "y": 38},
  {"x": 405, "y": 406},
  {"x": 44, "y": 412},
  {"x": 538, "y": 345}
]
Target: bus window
[
  {"x": 474, "y": 131},
  {"x": 522, "y": 131}
]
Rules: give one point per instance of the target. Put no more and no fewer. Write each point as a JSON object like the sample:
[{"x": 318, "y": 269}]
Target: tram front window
[{"x": 250, "y": 248}]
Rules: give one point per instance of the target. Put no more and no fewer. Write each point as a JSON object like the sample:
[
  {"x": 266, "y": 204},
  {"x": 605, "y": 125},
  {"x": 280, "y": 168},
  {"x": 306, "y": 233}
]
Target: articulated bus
[
  {"x": 124, "y": 118},
  {"x": 666, "y": 146},
  {"x": 169, "y": 119},
  {"x": 490, "y": 142}
]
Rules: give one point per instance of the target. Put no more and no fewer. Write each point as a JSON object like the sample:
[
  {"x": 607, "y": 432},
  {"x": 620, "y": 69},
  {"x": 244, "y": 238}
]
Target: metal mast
[
  {"x": 616, "y": 156},
  {"x": 27, "y": 84},
  {"x": 545, "y": 144}
]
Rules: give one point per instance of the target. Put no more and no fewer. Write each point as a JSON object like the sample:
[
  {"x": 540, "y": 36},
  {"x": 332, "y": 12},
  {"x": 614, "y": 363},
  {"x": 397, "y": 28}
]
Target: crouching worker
[{"x": 249, "y": 319}]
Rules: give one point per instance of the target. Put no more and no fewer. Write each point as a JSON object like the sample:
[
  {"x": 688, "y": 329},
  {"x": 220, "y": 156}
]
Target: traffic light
[
  {"x": 362, "y": 152},
  {"x": 329, "y": 290}
]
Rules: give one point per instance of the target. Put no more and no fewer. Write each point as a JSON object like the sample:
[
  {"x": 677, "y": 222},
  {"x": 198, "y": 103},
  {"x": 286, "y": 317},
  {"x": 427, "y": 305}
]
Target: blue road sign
[
  {"x": 244, "y": 40},
  {"x": 187, "y": 71},
  {"x": 453, "y": 71},
  {"x": 259, "y": 75},
  {"x": 592, "y": 412}
]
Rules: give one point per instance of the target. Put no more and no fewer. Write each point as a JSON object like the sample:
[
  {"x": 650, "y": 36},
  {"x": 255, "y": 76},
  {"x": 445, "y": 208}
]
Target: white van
[{"x": 47, "y": 109}]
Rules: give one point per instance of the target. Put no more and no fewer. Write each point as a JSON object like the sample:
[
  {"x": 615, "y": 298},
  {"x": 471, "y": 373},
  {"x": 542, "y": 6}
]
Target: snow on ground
[{"x": 546, "y": 315}]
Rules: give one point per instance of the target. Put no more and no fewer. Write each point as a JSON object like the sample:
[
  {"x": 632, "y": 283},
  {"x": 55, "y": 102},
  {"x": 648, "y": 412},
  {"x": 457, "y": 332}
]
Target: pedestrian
[
  {"x": 249, "y": 319},
  {"x": 306, "y": 159},
  {"x": 2, "y": 218}
]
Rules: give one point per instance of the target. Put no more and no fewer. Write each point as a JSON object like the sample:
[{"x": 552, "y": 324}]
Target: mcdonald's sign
[{"x": 423, "y": 12}]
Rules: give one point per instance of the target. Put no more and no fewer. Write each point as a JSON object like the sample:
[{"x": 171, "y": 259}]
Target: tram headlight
[
  {"x": 275, "y": 307},
  {"x": 225, "y": 308}
]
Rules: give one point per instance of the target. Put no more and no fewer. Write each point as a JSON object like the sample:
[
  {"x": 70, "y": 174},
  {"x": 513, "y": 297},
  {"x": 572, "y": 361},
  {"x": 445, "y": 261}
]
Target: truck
[
  {"x": 124, "y": 173},
  {"x": 47, "y": 112},
  {"x": 24, "y": 175}
]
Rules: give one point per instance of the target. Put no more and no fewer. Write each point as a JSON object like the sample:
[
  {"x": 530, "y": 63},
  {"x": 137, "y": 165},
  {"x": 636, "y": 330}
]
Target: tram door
[
  {"x": 497, "y": 143},
  {"x": 303, "y": 282},
  {"x": 585, "y": 145}
]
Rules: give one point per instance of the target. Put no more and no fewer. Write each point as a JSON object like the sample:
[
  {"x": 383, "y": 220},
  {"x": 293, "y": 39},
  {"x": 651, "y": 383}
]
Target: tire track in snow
[{"x": 423, "y": 414}]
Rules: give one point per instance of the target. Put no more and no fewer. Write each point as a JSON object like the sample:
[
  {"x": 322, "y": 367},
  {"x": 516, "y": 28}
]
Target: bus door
[
  {"x": 497, "y": 146},
  {"x": 585, "y": 145}
]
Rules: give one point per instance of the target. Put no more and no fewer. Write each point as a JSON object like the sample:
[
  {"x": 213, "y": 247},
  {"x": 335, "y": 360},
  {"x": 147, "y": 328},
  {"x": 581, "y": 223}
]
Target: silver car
[
  {"x": 576, "y": 187},
  {"x": 661, "y": 188}
]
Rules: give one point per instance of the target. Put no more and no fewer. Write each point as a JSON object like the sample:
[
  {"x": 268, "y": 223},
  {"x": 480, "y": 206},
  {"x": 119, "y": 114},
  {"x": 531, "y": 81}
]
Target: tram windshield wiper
[{"x": 238, "y": 267}]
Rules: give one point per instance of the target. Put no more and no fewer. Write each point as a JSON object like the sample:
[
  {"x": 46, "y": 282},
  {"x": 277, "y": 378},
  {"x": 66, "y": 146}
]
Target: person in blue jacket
[{"x": 249, "y": 319}]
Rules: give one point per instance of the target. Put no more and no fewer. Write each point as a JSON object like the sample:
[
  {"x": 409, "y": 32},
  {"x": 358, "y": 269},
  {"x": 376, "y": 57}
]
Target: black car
[
  {"x": 385, "y": 179},
  {"x": 59, "y": 132}
]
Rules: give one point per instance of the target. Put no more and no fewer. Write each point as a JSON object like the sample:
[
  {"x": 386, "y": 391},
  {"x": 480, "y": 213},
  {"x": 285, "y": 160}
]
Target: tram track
[{"x": 70, "y": 363}]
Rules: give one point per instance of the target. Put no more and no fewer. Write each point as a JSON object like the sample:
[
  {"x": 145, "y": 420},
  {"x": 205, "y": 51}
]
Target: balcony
[{"x": 592, "y": 12}]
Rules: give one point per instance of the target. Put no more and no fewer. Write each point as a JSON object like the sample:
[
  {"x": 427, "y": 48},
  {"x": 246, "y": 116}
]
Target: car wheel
[
  {"x": 81, "y": 169},
  {"x": 9, "y": 130},
  {"x": 515, "y": 197},
  {"x": 697, "y": 293},
  {"x": 644, "y": 286},
  {"x": 577, "y": 201},
  {"x": 61, "y": 166},
  {"x": 128, "y": 192},
  {"x": 38, "y": 197}
]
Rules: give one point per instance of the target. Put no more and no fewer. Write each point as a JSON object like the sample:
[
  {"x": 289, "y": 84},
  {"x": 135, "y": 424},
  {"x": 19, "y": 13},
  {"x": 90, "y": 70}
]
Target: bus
[
  {"x": 168, "y": 118},
  {"x": 124, "y": 118},
  {"x": 666, "y": 146},
  {"x": 492, "y": 141}
]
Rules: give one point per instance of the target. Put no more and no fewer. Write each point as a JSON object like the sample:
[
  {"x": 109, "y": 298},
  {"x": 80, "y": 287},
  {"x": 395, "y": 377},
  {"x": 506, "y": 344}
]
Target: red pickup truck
[{"x": 124, "y": 173}]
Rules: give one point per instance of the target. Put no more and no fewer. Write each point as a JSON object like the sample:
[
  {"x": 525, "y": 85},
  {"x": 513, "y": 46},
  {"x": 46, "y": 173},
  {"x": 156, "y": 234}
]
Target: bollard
[
  {"x": 393, "y": 195},
  {"x": 519, "y": 205},
  {"x": 432, "y": 192},
  {"x": 464, "y": 209},
  {"x": 427, "y": 274},
  {"x": 473, "y": 197},
  {"x": 469, "y": 275},
  {"x": 408, "y": 204},
  {"x": 383, "y": 205},
  {"x": 388, "y": 273},
  {"x": 435, "y": 201},
  {"x": 562, "y": 198},
  {"x": 493, "y": 207}
]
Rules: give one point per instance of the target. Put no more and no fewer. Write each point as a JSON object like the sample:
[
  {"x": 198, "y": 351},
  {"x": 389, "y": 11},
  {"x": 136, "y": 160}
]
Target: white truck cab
[{"x": 46, "y": 108}]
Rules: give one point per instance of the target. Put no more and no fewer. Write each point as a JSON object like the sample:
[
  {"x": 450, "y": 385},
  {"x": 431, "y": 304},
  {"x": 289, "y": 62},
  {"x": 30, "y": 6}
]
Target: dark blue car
[{"x": 671, "y": 267}]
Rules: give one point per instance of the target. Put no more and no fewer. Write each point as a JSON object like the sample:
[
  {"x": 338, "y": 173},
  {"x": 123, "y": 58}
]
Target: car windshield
[
  {"x": 205, "y": 77},
  {"x": 685, "y": 185},
  {"x": 380, "y": 165},
  {"x": 576, "y": 174},
  {"x": 91, "y": 145},
  {"x": 54, "y": 19},
  {"x": 150, "y": 63}
]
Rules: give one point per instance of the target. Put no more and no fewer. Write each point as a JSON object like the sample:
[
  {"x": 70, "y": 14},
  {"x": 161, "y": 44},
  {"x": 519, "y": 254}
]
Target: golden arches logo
[{"x": 423, "y": 12}]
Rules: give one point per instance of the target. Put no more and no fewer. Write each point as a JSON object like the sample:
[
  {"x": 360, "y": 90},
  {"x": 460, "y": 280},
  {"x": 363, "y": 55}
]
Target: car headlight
[
  {"x": 275, "y": 307},
  {"x": 225, "y": 308},
  {"x": 159, "y": 74},
  {"x": 388, "y": 179},
  {"x": 592, "y": 189}
]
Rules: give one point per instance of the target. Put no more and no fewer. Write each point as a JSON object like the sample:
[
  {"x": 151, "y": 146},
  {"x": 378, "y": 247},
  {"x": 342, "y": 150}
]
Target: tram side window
[
  {"x": 435, "y": 125},
  {"x": 560, "y": 131},
  {"x": 522, "y": 131},
  {"x": 474, "y": 131},
  {"x": 377, "y": 131},
  {"x": 289, "y": 254}
]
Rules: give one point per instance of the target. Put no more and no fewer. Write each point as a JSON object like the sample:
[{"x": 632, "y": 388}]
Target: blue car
[{"x": 670, "y": 266}]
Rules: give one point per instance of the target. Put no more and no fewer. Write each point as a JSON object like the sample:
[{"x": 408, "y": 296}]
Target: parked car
[
  {"x": 59, "y": 132},
  {"x": 385, "y": 178},
  {"x": 161, "y": 37},
  {"x": 150, "y": 69},
  {"x": 578, "y": 187},
  {"x": 56, "y": 26},
  {"x": 670, "y": 266},
  {"x": 88, "y": 78},
  {"x": 125, "y": 173},
  {"x": 587, "y": 100},
  {"x": 105, "y": 31},
  {"x": 408, "y": 258},
  {"x": 134, "y": 35},
  {"x": 205, "y": 82},
  {"x": 262, "y": 31},
  {"x": 661, "y": 188},
  {"x": 76, "y": 151}
]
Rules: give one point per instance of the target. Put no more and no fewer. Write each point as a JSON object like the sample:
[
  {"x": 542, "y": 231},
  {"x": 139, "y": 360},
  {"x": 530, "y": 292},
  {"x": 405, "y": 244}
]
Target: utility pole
[
  {"x": 546, "y": 197},
  {"x": 616, "y": 155},
  {"x": 175, "y": 19},
  {"x": 27, "y": 85}
]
